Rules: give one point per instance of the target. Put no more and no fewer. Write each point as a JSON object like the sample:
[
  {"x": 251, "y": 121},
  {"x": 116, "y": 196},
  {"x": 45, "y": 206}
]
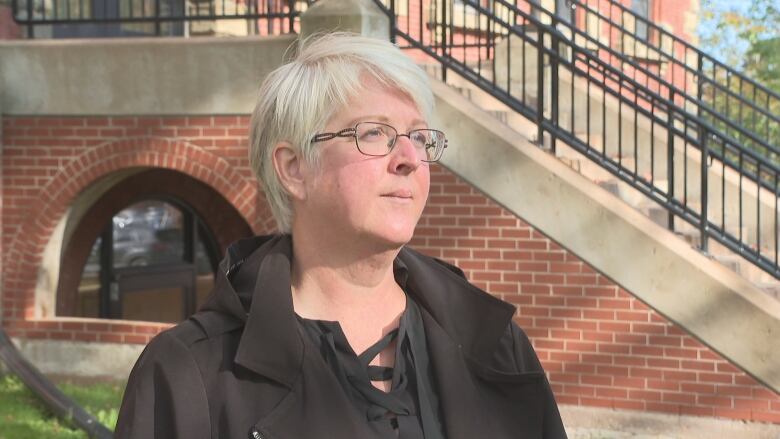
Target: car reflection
[{"x": 147, "y": 234}]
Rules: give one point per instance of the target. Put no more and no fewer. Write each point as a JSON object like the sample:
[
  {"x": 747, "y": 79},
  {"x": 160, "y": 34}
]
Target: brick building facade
[{"x": 600, "y": 345}]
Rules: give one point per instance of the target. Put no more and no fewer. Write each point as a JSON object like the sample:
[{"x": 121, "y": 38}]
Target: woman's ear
[{"x": 289, "y": 165}]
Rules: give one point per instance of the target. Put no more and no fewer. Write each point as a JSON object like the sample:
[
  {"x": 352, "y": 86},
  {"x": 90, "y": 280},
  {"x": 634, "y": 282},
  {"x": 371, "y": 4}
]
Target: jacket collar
[
  {"x": 474, "y": 319},
  {"x": 253, "y": 288}
]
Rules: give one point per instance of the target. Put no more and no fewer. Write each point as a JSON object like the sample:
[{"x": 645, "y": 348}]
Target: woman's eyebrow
[
  {"x": 369, "y": 118},
  {"x": 383, "y": 119}
]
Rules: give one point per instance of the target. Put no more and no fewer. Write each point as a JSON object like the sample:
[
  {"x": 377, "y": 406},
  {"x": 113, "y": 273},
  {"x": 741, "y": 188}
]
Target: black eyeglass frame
[{"x": 352, "y": 132}]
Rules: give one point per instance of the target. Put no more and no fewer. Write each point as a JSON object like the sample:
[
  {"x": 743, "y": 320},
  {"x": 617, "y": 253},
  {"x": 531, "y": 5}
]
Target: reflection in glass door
[{"x": 154, "y": 261}]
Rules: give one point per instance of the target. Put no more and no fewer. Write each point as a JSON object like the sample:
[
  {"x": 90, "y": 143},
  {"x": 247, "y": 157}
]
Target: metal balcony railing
[
  {"x": 732, "y": 102},
  {"x": 110, "y": 18}
]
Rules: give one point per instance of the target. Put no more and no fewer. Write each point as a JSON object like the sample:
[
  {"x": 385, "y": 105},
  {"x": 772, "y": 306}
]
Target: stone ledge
[
  {"x": 599, "y": 423},
  {"x": 144, "y": 76},
  {"x": 85, "y": 359}
]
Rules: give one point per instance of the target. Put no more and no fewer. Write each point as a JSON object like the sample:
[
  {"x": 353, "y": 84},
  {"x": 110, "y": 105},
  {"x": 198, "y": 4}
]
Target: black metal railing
[
  {"x": 652, "y": 130},
  {"x": 109, "y": 18},
  {"x": 728, "y": 99}
]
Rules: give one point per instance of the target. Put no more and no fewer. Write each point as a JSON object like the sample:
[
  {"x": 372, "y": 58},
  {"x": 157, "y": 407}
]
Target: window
[
  {"x": 642, "y": 9},
  {"x": 155, "y": 261},
  {"x": 564, "y": 11}
]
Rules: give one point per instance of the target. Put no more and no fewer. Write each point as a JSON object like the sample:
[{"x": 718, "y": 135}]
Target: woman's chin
[{"x": 393, "y": 237}]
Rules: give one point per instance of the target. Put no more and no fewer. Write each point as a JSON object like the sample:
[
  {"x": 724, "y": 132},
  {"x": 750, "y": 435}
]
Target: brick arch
[
  {"x": 222, "y": 222},
  {"x": 25, "y": 250}
]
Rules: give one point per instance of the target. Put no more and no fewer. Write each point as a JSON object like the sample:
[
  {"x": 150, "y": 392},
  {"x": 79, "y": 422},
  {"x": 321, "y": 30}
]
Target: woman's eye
[
  {"x": 374, "y": 133},
  {"x": 420, "y": 139}
]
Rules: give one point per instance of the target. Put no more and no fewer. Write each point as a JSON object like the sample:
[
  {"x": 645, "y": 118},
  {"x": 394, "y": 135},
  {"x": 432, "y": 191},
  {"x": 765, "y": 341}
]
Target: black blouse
[{"x": 410, "y": 410}]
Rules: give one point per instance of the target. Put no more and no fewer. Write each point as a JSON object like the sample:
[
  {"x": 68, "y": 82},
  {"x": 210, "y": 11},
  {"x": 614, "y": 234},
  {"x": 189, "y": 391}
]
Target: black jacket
[{"x": 229, "y": 373}]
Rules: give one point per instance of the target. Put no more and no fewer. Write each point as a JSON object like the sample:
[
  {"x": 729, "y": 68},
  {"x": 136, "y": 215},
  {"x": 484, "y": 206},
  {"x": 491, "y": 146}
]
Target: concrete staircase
[
  {"x": 615, "y": 238},
  {"x": 637, "y": 159}
]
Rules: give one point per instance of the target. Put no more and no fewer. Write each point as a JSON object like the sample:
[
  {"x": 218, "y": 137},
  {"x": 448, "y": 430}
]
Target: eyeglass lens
[{"x": 378, "y": 139}]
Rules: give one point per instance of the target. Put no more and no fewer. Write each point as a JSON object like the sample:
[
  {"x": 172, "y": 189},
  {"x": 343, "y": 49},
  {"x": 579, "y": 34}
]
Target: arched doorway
[{"x": 147, "y": 249}]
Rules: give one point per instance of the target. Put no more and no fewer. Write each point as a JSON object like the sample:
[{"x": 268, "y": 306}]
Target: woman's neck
[{"x": 342, "y": 280}]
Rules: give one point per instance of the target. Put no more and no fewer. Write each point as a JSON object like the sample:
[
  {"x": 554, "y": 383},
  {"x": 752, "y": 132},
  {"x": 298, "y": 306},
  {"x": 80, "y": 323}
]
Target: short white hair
[{"x": 297, "y": 100}]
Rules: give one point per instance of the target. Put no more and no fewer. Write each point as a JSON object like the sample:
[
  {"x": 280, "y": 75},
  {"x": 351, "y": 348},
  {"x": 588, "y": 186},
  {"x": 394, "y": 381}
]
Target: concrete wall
[
  {"x": 136, "y": 76},
  {"x": 76, "y": 358}
]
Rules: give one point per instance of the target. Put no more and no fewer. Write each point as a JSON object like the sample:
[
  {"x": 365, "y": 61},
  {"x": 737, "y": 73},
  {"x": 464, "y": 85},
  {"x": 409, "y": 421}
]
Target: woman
[{"x": 333, "y": 328}]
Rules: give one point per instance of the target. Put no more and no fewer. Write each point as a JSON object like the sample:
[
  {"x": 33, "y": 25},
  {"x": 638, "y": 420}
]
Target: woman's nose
[{"x": 404, "y": 156}]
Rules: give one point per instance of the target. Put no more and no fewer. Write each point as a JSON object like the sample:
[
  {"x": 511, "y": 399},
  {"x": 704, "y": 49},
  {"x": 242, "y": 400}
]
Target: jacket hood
[{"x": 252, "y": 289}]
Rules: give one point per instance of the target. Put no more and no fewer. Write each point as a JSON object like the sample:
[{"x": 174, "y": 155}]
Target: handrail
[
  {"x": 698, "y": 74},
  {"x": 750, "y": 153},
  {"x": 645, "y": 90},
  {"x": 639, "y": 88},
  {"x": 671, "y": 87},
  {"x": 61, "y": 405},
  {"x": 664, "y": 33}
]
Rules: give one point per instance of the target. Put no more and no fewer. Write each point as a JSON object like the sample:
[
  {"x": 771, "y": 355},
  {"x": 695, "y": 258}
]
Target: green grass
[{"x": 22, "y": 416}]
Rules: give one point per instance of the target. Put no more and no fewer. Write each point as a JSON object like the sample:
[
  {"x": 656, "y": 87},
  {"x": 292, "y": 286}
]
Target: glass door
[{"x": 155, "y": 261}]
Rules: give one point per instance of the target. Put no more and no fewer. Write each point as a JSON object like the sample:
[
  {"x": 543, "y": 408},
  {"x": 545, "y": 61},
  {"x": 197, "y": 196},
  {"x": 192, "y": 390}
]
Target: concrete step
[
  {"x": 765, "y": 282},
  {"x": 732, "y": 262},
  {"x": 581, "y": 123},
  {"x": 572, "y": 163},
  {"x": 496, "y": 108},
  {"x": 770, "y": 288},
  {"x": 691, "y": 234}
]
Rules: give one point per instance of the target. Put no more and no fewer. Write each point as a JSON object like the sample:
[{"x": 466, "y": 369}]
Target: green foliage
[
  {"x": 763, "y": 62},
  {"x": 744, "y": 35},
  {"x": 22, "y": 416},
  {"x": 102, "y": 400}
]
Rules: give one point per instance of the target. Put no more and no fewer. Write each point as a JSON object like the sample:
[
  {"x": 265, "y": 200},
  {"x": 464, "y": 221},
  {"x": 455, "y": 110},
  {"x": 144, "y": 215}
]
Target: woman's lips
[{"x": 399, "y": 194}]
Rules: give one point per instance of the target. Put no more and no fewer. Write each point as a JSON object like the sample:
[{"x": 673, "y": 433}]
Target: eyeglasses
[{"x": 378, "y": 139}]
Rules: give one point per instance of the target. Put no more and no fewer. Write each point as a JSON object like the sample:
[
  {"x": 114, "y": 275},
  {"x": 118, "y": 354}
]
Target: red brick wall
[
  {"x": 600, "y": 345},
  {"x": 9, "y": 30},
  {"x": 47, "y": 161}
]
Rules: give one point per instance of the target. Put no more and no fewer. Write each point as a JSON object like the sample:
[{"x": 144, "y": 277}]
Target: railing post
[
  {"x": 393, "y": 22},
  {"x": 540, "y": 87},
  {"x": 703, "y": 135},
  {"x": 699, "y": 89},
  {"x": 554, "y": 58},
  {"x": 444, "y": 45},
  {"x": 291, "y": 18},
  {"x": 157, "y": 17},
  {"x": 670, "y": 157},
  {"x": 704, "y": 221},
  {"x": 30, "y": 28}
]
